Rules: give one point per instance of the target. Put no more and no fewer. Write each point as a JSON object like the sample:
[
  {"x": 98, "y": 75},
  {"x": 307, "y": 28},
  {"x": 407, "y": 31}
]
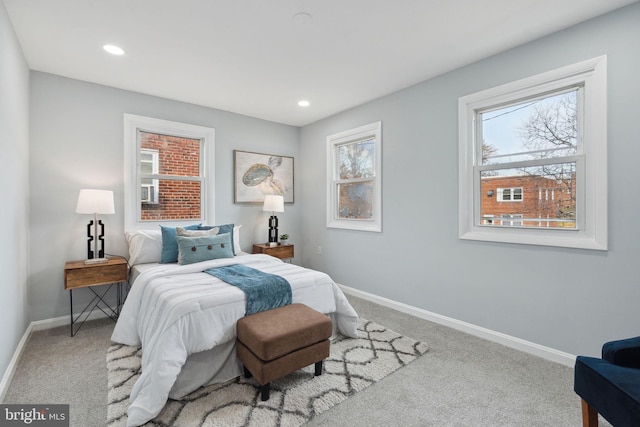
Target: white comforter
[{"x": 175, "y": 311}]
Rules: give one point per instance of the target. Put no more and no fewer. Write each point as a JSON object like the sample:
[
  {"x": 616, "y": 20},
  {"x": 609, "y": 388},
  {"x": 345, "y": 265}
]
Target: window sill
[{"x": 556, "y": 238}]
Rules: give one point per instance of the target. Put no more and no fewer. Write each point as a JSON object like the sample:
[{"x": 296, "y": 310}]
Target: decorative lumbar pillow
[
  {"x": 197, "y": 233},
  {"x": 203, "y": 248},
  {"x": 145, "y": 246},
  {"x": 226, "y": 228},
  {"x": 169, "y": 244},
  {"x": 236, "y": 239}
]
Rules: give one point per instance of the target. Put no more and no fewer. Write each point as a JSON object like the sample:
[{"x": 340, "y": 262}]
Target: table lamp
[
  {"x": 273, "y": 203},
  {"x": 95, "y": 202}
]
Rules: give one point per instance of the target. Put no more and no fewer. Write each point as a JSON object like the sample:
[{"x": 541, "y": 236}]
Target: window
[
  {"x": 510, "y": 194},
  {"x": 167, "y": 165},
  {"x": 507, "y": 220},
  {"x": 148, "y": 167},
  {"x": 354, "y": 179},
  {"x": 540, "y": 142}
]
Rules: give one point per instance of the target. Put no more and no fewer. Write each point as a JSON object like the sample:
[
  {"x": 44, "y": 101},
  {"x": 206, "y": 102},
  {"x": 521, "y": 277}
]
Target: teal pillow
[
  {"x": 203, "y": 248},
  {"x": 169, "y": 244},
  {"x": 226, "y": 228}
]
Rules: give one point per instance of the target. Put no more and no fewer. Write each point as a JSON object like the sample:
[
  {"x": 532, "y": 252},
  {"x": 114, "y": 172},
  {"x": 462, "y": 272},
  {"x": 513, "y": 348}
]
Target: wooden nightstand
[
  {"x": 280, "y": 251},
  {"x": 77, "y": 275}
]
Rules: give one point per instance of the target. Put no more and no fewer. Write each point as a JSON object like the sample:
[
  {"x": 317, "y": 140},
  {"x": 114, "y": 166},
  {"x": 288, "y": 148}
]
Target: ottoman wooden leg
[
  {"x": 247, "y": 374},
  {"x": 318, "y": 368},
  {"x": 264, "y": 391}
]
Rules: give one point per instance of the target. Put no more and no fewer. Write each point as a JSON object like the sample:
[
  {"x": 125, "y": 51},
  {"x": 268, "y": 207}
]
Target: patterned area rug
[{"x": 354, "y": 364}]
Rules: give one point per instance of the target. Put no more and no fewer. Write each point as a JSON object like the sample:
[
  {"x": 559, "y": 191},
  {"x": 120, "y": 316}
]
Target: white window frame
[
  {"x": 132, "y": 185},
  {"x": 591, "y": 167},
  {"x": 370, "y": 131}
]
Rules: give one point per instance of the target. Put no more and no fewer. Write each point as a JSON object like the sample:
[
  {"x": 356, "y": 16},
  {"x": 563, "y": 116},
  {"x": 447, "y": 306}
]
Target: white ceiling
[{"x": 252, "y": 57}]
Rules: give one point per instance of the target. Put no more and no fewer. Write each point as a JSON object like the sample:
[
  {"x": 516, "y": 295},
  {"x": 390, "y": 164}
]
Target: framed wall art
[{"x": 257, "y": 174}]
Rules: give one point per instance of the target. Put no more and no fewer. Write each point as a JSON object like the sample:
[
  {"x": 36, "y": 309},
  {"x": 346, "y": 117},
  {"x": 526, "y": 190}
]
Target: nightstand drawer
[
  {"x": 79, "y": 275},
  {"x": 282, "y": 251}
]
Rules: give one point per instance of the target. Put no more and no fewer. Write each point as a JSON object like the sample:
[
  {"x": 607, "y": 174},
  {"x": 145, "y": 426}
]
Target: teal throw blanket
[{"x": 264, "y": 291}]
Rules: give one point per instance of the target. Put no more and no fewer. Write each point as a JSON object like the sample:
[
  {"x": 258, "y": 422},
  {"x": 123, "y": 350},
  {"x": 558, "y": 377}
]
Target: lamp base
[
  {"x": 96, "y": 261},
  {"x": 97, "y": 239},
  {"x": 273, "y": 230}
]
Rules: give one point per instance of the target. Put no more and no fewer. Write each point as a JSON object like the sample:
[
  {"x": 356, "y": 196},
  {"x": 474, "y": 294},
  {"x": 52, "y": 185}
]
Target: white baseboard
[
  {"x": 478, "y": 331},
  {"x": 38, "y": 325},
  {"x": 55, "y": 322},
  {"x": 13, "y": 363}
]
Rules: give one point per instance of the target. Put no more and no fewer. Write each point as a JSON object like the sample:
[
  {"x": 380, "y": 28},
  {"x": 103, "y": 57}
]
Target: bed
[{"x": 184, "y": 319}]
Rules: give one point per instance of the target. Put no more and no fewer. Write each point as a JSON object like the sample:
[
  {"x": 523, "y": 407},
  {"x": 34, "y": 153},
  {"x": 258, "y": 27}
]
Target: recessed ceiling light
[
  {"x": 112, "y": 49},
  {"x": 303, "y": 103}
]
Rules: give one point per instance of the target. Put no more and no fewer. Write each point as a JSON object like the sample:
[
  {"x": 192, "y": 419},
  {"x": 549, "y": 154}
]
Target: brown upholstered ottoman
[{"x": 275, "y": 343}]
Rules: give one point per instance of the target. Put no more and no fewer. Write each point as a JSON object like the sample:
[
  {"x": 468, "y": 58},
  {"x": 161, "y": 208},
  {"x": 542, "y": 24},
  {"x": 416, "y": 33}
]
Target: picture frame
[{"x": 259, "y": 174}]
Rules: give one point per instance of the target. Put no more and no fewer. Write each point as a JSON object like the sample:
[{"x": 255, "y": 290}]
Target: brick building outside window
[{"x": 169, "y": 177}]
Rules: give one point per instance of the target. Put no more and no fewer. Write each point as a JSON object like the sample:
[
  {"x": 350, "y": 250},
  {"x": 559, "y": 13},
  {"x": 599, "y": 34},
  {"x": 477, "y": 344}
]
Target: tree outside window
[
  {"x": 354, "y": 186},
  {"x": 532, "y": 145}
]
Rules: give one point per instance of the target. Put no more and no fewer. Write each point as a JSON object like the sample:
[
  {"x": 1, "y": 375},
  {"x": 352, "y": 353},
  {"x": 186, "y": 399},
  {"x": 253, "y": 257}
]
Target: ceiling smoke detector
[{"x": 302, "y": 19}]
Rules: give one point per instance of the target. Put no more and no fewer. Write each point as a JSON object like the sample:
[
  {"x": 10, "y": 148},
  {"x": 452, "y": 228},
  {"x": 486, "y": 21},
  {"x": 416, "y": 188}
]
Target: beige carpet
[{"x": 353, "y": 365}]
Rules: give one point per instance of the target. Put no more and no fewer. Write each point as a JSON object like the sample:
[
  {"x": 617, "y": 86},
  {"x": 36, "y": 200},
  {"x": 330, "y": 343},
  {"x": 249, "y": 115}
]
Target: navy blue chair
[{"x": 610, "y": 386}]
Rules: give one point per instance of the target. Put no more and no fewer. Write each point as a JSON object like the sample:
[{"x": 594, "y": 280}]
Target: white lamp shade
[
  {"x": 273, "y": 203},
  {"x": 95, "y": 202}
]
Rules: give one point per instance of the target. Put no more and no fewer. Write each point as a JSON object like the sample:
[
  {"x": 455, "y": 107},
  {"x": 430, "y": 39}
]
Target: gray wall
[
  {"x": 77, "y": 142},
  {"x": 570, "y": 300},
  {"x": 14, "y": 190}
]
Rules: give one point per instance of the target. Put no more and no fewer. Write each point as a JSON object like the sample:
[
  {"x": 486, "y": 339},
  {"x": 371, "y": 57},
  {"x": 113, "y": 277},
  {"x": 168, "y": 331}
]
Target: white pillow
[
  {"x": 144, "y": 246},
  {"x": 197, "y": 233},
  {"x": 236, "y": 239}
]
